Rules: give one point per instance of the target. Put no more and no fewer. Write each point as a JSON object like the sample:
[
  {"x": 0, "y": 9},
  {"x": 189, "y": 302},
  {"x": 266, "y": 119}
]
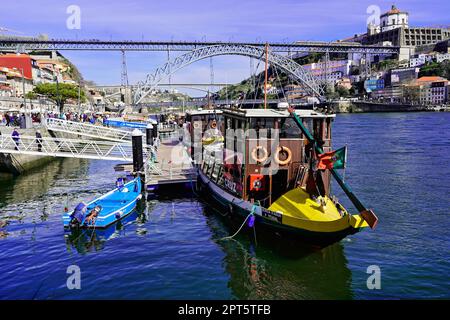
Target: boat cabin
[
  {"x": 265, "y": 153},
  {"x": 197, "y": 123}
]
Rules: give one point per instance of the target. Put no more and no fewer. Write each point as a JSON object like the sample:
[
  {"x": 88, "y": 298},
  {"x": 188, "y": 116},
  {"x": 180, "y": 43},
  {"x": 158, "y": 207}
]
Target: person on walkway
[
  {"x": 16, "y": 137},
  {"x": 8, "y": 119},
  {"x": 39, "y": 140}
]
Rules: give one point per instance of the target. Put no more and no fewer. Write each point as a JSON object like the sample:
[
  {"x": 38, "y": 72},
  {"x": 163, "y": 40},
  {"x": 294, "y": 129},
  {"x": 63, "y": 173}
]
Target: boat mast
[{"x": 265, "y": 75}]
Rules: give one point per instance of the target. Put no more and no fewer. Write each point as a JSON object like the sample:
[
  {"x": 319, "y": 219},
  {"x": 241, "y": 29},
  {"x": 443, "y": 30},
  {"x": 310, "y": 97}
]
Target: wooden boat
[
  {"x": 114, "y": 205},
  {"x": 202, "y": 121},
  {"x": 272, "y": 183}
]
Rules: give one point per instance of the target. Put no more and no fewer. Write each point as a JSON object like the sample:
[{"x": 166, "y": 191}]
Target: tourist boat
[
  {"x": 114, "y": 205},
  {"x": 272, "y": 182},
  {"x": 205, "y": 122}
]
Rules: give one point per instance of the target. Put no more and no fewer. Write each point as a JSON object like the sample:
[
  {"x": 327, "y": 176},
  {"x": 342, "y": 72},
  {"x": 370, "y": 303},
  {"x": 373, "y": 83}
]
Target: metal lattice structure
[
  {"x": 21, "y": 45},
  {"x": 88, "y": 130},
  {"x": 68, "y": 148},
  {"x": 288, "y": 65}
]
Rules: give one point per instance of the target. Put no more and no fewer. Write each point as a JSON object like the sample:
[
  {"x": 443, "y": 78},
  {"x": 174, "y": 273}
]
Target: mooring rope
[{"x": 242, "y": 225}]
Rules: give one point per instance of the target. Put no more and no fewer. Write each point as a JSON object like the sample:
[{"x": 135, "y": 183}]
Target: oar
[{"x": 367, "y": 214}]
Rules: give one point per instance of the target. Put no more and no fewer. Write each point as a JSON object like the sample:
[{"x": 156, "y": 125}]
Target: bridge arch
[{"x": 295, "y": 70}]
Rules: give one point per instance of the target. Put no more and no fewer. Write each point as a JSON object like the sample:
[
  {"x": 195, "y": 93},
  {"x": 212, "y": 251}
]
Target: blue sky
[{"x": 263, "y": 20}]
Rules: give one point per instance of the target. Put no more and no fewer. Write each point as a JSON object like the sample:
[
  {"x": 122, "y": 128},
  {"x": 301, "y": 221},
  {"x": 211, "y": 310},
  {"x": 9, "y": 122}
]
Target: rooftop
[
  {"x": 277, "y": 113},
  {"x": 204, "y": 111},
  {"x": 431, "y": 79},
  {"x": 393, "y": 10}
]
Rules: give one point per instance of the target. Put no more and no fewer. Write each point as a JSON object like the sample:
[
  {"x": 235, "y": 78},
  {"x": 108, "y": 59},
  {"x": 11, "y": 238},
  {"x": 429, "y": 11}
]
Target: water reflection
[
  {"x": 280, "y": 269},
  {"x": 92, "y": 240},
  {"x": 31, "y": 198}
]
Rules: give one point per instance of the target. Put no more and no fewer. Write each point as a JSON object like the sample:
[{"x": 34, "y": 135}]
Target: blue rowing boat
[{"x": 107, "y": 209}]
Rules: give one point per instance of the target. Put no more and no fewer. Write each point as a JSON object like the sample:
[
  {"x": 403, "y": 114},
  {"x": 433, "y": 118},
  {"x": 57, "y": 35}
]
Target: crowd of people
[{"x": 17, "y": 119}]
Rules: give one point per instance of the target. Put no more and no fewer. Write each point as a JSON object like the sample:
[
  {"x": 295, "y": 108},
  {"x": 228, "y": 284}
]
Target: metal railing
[
  {"x": 89, "y": 130},
  {"x": 69, "y": 148}
]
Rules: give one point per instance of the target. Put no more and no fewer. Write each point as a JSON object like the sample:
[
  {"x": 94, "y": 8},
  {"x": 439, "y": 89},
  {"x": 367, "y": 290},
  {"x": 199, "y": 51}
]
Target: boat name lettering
[{"x": 274, "y": 216}]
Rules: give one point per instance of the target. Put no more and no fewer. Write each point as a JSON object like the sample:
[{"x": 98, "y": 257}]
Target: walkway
[{"x": 69, "y": 148}]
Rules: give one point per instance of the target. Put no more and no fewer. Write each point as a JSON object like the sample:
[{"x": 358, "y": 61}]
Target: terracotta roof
[
  {"x": 430, "y": 79},
  {"x": 393, "y": 10}
]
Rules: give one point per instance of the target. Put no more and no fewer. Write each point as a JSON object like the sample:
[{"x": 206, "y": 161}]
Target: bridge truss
[
  {"x": 292, "y": 68},
  {"x": 22, "y": 45}
]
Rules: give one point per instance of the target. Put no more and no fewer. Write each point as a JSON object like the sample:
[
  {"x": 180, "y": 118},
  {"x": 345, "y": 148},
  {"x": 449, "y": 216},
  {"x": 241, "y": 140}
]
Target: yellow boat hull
[{"x": 300, "y": 211}]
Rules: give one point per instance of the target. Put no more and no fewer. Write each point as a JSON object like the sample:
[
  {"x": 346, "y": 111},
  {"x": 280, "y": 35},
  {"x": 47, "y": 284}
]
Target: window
[{"x": 289, "y": 129}]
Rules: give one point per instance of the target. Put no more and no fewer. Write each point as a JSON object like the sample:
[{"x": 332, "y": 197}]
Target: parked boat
[
  {"x": 276, "y": 183},
  {"x": 107, "y": 209}
]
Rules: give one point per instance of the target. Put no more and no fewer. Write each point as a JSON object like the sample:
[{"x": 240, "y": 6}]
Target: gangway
[
  {"x": 88, "y": 130},
  {"x": 69, "y": 148}
]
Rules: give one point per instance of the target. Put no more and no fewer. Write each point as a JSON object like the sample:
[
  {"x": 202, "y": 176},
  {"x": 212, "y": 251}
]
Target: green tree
[
  {"x": 343, "y": 92},
  {"x": 59, "y": 93},
  {"x": 441, "y": 69},
  {"x": 411, "y": 93}
]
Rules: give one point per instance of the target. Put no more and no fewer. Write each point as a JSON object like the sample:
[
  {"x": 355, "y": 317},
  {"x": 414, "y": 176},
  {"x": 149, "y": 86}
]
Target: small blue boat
[{"x": 107, "y": 209}]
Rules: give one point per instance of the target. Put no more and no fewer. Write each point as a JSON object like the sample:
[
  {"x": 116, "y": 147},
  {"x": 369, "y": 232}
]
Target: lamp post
[
  {"x": 28, "y": 123},
  {"x": 79, "y": 97}
]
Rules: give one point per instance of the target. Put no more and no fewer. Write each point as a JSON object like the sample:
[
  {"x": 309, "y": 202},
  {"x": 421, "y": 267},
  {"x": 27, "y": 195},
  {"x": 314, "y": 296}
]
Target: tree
[
  {"x": 59, "y": 93},
  {"x": 441, "y": 69},
  {"x": 342, "y": 91},
  {"x": 411, "y": 93}
]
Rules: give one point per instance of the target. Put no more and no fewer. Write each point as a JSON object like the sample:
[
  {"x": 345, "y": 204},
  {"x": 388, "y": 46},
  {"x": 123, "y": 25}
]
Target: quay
[{"x": 173, "y": 166}]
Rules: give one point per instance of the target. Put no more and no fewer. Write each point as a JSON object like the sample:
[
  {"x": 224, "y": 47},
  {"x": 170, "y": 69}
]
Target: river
[{"x": 170, "y": 248}]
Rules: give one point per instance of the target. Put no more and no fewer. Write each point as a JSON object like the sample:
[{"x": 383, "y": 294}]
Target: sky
[{"x": 230, "y": 20}]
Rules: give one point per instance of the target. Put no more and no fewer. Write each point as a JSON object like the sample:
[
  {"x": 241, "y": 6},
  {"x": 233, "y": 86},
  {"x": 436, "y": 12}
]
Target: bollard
[
  {"x": 149, "y": 134},
  {"x": 138, "y": 156},
  {"x": 155, "y": 128}
]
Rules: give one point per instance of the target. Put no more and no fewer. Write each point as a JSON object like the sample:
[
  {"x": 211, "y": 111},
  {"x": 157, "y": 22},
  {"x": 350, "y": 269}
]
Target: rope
[{"x": 242, "y": 225}]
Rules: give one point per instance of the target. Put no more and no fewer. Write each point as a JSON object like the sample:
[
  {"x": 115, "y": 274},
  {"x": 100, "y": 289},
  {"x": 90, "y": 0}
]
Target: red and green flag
[{"x": 333, "y": 159}]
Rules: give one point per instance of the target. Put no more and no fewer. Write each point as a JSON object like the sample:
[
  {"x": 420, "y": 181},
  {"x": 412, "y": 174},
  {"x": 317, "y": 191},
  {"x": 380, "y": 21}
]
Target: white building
[
  {"x": 442, "y": 57},
  {"x": 393, "y": 19},
  {"x": 420, "y": 60}
]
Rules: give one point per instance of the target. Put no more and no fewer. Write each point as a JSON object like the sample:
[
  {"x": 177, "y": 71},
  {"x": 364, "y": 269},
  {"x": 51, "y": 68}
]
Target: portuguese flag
[{"x": 332, "y": 160}]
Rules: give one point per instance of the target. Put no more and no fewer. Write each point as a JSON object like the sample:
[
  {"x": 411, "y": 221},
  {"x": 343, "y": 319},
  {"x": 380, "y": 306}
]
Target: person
[
  {"x": 92, "y": 216},
  {"x": 8, "y": 119},
  {"x": 39, "y": 140},
  {"x": 16, "y": 137}
]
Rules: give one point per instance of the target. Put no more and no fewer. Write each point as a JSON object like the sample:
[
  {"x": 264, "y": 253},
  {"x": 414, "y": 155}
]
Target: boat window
[
  {"x": 308, "y": 123},
  {"x": 262, "y": 123},
  {"x": 289, "y": 129}
]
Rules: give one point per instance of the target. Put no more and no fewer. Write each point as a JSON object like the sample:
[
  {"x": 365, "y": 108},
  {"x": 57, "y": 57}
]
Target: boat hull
[
  {"x": 116, "y": 203},
  {"x": 268, "y": 222}
]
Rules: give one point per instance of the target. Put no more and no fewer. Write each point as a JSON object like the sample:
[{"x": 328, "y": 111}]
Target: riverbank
[
  {"x": 348, "y": 106},
  {"x": 16, "y": 164}
]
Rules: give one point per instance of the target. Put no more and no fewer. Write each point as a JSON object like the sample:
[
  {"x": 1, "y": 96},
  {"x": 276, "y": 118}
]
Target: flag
[{"x": 332, "y": 160}]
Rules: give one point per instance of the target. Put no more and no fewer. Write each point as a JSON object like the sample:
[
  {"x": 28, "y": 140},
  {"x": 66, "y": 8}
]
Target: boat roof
[
  {"x": 203, "y": 112},
  {"x": 276, "y": 113}
]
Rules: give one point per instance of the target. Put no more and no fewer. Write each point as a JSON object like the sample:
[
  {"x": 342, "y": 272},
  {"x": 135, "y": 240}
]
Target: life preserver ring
[
  {"x": 214, "y": 124},
  {"x": 255, "y": 154},
  {"x": 277, "y": 155},
  {"x": 197, "y": 125}
]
